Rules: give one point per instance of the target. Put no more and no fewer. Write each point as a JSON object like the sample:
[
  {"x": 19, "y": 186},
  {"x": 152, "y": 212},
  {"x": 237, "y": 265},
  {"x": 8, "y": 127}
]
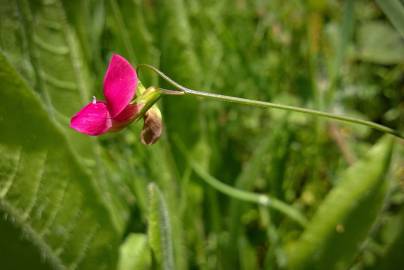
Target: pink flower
[{"x": 99, "y": 117}]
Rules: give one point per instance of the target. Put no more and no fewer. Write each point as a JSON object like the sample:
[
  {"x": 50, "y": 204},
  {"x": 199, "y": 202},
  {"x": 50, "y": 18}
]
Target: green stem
[
  {"x": 264, "y": 104},
  {"x": 242, "y": 195}
]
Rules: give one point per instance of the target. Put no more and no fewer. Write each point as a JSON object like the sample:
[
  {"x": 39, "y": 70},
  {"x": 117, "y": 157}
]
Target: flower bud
[{"x": 152, "y": 127}]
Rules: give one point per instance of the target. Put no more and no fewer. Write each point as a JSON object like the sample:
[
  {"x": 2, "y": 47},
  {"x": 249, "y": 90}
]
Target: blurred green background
[{"x": 68, "y": 201}]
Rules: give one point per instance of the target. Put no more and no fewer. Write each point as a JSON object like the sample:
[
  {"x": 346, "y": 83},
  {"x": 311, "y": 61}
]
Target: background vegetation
[{"x": 70, "y": 201}]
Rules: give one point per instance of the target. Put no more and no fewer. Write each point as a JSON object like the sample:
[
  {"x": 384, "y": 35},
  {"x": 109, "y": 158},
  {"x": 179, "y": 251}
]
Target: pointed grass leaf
[
  {"x": 166, "y": 174},
  {"x": 344, "y": 219},
  {"x": 179, "y": 59},
  {"x": 159, "y": 230},
  {"x": 135, "y": 253},
  {"x": 393, "y": 255},
  {"x": 46, "y": 195},
  {"x": 379, "y": 43},
  {"x": 394, "y": 9}
]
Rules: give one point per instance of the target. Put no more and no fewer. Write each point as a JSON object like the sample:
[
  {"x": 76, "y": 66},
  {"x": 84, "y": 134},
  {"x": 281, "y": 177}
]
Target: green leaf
[
  {"x": 50, "y": 58},
  {"x": 178, "y": 59},
  {"x": 12, "y": 245},
  {"x": 269, "y": 155},
  {"x": 159, "y": 230},
  {"x": 379, "y": 43},
  {"x": 121, "y": 29},
  {"x": 166, "y": 175},
  {"x": 344, "y": 219},
  {"x": 46, "y": 194},
  {"x": 392, "y": 255},
  {"x": 344, "y": 38},
  {"x": 394, "y": 10},
  {"x": 134, "y": 253}
]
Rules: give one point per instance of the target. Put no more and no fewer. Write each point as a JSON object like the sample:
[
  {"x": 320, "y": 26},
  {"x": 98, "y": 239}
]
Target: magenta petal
[
  {"x": 94, "y": 119},
  {"x": 130, "y": 113},
  {"x": 120, "y": 84}
]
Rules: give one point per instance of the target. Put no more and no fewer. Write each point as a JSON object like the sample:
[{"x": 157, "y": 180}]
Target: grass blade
[
  {"x": 160, "y": 229},
  {"x": 344, "y": 218},
  {"x": 394, "y": 9}
]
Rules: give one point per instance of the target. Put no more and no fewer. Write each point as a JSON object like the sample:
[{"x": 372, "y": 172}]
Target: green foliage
[
  {"x": 68, "y": 201},
  {"x": 159, "y": 231},
  {"x": 343, "y": 220},
  {"x": 134, "y": 253},
  {"x": 46, "y": 194},
  {"x": 379, "y": 43},
  {"x": 391, "y": 256},
  {"x": 394, "y": 10}
]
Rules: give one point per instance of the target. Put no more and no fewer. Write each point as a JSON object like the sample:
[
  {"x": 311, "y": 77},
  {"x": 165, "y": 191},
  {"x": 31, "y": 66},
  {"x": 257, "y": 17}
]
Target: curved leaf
[
  {"x": 179, "y": 59},
  {"x": 43, "y": 42},
  {"x": 394, "y": 9},
  {"x": 343, "y": 220},
  {"x": 379, "y": 43},
  {"x": 160, "y": 229},
  {"x": 45, "y": 193},
  {"x": 392, "y": 256},
  {"x": 134, "y": 253}
]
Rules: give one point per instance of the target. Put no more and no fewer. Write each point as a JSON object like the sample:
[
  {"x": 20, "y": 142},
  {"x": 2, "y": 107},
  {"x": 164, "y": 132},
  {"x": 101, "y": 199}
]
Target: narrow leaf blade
[
  {"x": 343, "y": 220},
  {"x": 160, "y": 229}
]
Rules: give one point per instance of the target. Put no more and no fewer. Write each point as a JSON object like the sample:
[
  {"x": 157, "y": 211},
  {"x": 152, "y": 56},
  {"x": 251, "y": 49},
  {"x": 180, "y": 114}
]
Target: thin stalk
[
  {"x": 260, "y": 199},
  {"x": 264, "y": 104}
]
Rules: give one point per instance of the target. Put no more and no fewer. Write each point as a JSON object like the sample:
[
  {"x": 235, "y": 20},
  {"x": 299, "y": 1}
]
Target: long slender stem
[
  {"x": 264, "y": 104},
  {"x": 242, "y": 195}
]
